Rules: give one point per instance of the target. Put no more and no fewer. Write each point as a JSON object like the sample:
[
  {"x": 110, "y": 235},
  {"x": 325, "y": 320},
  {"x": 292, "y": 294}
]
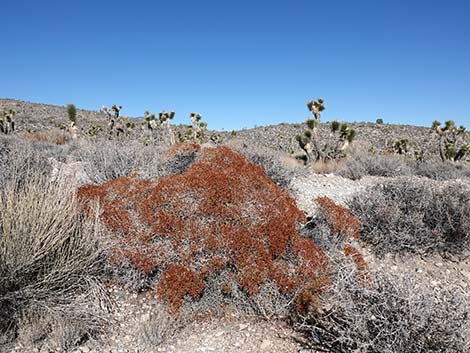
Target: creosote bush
[
  {"x": 49, "y": 266},
  {"x": 414, "y": 215},
  {"x": 223, "y": 215}
]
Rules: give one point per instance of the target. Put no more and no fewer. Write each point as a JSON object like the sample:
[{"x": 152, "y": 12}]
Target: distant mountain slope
[{"x": 370, "y": 136}]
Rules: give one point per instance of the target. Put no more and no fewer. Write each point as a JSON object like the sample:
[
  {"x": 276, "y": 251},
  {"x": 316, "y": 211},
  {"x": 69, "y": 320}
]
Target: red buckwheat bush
[{"x": 222, "y": 214}]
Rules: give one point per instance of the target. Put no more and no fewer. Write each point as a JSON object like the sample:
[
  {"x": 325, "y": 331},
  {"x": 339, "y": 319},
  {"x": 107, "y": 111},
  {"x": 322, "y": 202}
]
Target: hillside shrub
[
  {"x": 49, "y": 267},
  {"x": 222, "y": 216},
  {"x": 414, "y": 215}
]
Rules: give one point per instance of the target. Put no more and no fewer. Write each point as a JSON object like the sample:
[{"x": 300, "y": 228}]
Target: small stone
[
  {"x": 439, "y": 264},
  {"x": 85, "y": 349},
  {"x": 220, "y": 333},
  {"x": 243, "y": 326}
]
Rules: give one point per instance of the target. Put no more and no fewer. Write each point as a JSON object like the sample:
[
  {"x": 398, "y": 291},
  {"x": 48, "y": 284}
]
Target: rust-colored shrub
[
  {"x": 339, "y": 218},
  {"x": 178, "y": 281},
  {"x": 221, "y": 214}
]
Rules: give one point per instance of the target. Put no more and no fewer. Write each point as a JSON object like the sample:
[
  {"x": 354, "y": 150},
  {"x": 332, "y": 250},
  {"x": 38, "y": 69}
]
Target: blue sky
[{"x": 243, "y": 63}]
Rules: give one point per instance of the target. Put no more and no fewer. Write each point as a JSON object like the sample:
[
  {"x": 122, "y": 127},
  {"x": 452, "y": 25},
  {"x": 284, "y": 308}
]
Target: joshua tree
[
  {"x": 401, "y": 146},
  {"x": 197, "y": 131},
  {"x": 453, "y": 145},
  {"x": 309, "y": 142},
  {"x": 72, "y": 114},
  {"x": 7, "y": 122},
  {"x": 406, "y": 148},
  {"x": 114, "y": 125},
  {"x": 199, "y": 127},
  {"x": 163, "y": 121}
]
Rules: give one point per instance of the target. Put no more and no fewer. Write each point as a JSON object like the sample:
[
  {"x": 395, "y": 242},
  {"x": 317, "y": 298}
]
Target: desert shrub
[
  {"x": 49, "y": 265},
  {"x": 339, "y": 218},
  {"x": 414, "y": 215},
  {"x": 438, "y": 170},
  {"x": 394, "y": 313},
  {"x": 222, "y": 215}
]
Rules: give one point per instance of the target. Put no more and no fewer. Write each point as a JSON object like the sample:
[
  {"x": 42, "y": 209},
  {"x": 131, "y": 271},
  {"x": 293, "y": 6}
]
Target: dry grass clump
[
  {"x": 414, "y": 215},
  {"x": 49, "y": 267},
  {"x": 222, "y": 215}
]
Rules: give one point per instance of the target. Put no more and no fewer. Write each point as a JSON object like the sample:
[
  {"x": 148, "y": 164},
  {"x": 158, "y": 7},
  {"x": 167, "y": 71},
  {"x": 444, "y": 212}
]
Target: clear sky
[{"x": 242, "y": 63}]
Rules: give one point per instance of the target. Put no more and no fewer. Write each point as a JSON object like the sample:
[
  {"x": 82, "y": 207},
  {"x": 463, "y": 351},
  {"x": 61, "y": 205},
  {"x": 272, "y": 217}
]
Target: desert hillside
[{"x": 37, "y": 117}]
